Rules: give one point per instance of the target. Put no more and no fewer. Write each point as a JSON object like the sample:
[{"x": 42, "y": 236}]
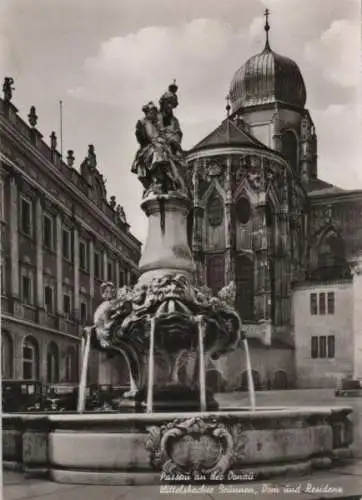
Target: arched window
[
  {"x": 215, "y": 272},
  {"x": 290, "y": 149},
  {"x": 52, "y": 363},
  {"x": 245, "y": 287},
  {"x": 215, "y": 210},
  {"x": 243, "y": 210},
  {"x": 244, "y": 385},
  {"x": 30, "y": 359},
  {"x": 71, "y": 365},
  {"x": 280, "y": 380},
  {"x": 6, "y": 355},
  {"x": 331, "y": 258}
]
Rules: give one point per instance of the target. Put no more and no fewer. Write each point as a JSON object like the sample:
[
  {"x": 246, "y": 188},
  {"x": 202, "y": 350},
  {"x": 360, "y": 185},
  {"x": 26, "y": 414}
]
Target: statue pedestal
[{"x": 166, "y": 250}]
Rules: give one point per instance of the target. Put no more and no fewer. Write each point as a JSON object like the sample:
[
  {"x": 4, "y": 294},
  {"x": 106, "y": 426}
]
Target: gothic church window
[
  {"x": 243, "y": 210},
  {"x": 215, "y": 272},
  {"x": 245, "y": 287},
  {"x": 215, "y": 211}
]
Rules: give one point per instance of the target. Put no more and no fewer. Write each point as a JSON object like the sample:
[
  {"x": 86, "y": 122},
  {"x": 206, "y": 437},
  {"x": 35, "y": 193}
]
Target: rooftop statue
[{"x": 160, "y": 162}]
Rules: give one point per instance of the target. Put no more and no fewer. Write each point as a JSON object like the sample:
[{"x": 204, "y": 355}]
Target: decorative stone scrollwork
[
  {"x": 242, "y": 169},
  {"x": 196, "y": 446},
  {"x": 176, "y": 303}
]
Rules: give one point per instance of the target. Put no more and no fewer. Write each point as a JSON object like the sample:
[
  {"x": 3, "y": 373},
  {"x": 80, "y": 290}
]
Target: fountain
[{"x": 170, "y": 430}]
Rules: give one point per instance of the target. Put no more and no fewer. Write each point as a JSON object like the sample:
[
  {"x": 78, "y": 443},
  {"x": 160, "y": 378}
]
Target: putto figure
[{"x": 160, "y": 162}]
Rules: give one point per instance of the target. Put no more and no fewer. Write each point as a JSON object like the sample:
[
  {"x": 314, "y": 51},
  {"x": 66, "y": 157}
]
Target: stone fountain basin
[{"x": 110, "y": 448}]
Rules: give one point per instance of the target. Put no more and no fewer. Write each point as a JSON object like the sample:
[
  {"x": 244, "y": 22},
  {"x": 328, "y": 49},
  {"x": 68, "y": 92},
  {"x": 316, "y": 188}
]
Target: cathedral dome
[{"x": 266, "y": 78}]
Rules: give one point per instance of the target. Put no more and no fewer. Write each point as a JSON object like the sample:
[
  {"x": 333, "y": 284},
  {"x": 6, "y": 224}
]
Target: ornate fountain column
[{"x": 166, "y": 249}]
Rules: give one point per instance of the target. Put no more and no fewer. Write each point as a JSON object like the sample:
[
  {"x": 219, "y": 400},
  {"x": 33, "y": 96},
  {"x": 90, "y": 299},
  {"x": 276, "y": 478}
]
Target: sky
[{"x": 106, "y": 59}]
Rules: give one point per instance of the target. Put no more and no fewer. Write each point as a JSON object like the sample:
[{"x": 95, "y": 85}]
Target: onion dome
[{"x": 267, "y": 78}]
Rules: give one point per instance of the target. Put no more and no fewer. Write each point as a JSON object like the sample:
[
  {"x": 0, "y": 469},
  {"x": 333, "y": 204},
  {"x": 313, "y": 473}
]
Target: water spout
[
  {"x": 132, "y": 381},
  {"x": 151, "y": 366},
  {"x": 86, "y": 340},
  {"x": 202, "y": 376},
  {"x": 249, "y": 372}
]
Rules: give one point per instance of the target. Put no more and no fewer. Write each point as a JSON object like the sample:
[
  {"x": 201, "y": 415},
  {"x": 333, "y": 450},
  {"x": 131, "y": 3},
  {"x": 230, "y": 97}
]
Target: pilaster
[
  {"x": 105, "y": 266},
  {"x": 39, "y": 252},
  {"x": 14, "y": 238},
  {"x": 43, "y": 358},
  {"x": 91, "y": 269},
  {"x": 59, "y": 266},
  {"x": 76, "y": 271},
  {"x": 117, "y": 274},
  {"x": 18, "y": 357}
]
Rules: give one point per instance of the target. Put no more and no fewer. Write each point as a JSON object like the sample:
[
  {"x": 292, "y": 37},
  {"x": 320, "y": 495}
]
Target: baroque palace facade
[
  {"x": 60, "y": 239},
  {"x": 291, "y": 241}
]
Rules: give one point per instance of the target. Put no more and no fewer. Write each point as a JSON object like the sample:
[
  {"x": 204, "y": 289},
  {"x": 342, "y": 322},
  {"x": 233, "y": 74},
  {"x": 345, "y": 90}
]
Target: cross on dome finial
[
  {"x": 228, "y": 107},
  {"x": 267, "y": 28}
]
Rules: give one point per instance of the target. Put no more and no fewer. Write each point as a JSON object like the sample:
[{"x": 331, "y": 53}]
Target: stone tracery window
[
  {"x": 216, "y": 272},
  {"x": 215, "y": 210},
  {"x": 244, "y": 267},
  {"x": 243, "y": 210}
]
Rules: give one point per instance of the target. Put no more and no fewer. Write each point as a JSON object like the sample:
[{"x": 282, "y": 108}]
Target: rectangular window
[
  {"x": 66, "y": 244},
  {"x": 48, "y": 298},
  {"x": 322, "y": 303},
  {"x": 83, "y": 256},
  {"x": 323, "y": 346},
  {"x": 48, "y": 232},
  {"x": 26, "y": 289},
  {"x": 330, "y": 303},
  {"x": 26, "y": 219},
  {"x": 83, "y": 312},
  {"x": 331, "y": 346},
  {"x": 97, "y": 266},
  {"x": 314, "y": 347},
  {"x": 313, "y": 303},
  {"x": 66, "y": 305},
  {"x": 27, "y": 370},
  {"x": 110, "y": 271}
]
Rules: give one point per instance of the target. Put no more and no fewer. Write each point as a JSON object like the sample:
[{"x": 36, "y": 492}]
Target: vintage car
[
  {"x": 99, "y": 397},
  {"x": 61, "y": 397},
  {"x": 349, "y": 387},
  {"x": 22, "y": 395},
  {"x": 104, "y": 397}
]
